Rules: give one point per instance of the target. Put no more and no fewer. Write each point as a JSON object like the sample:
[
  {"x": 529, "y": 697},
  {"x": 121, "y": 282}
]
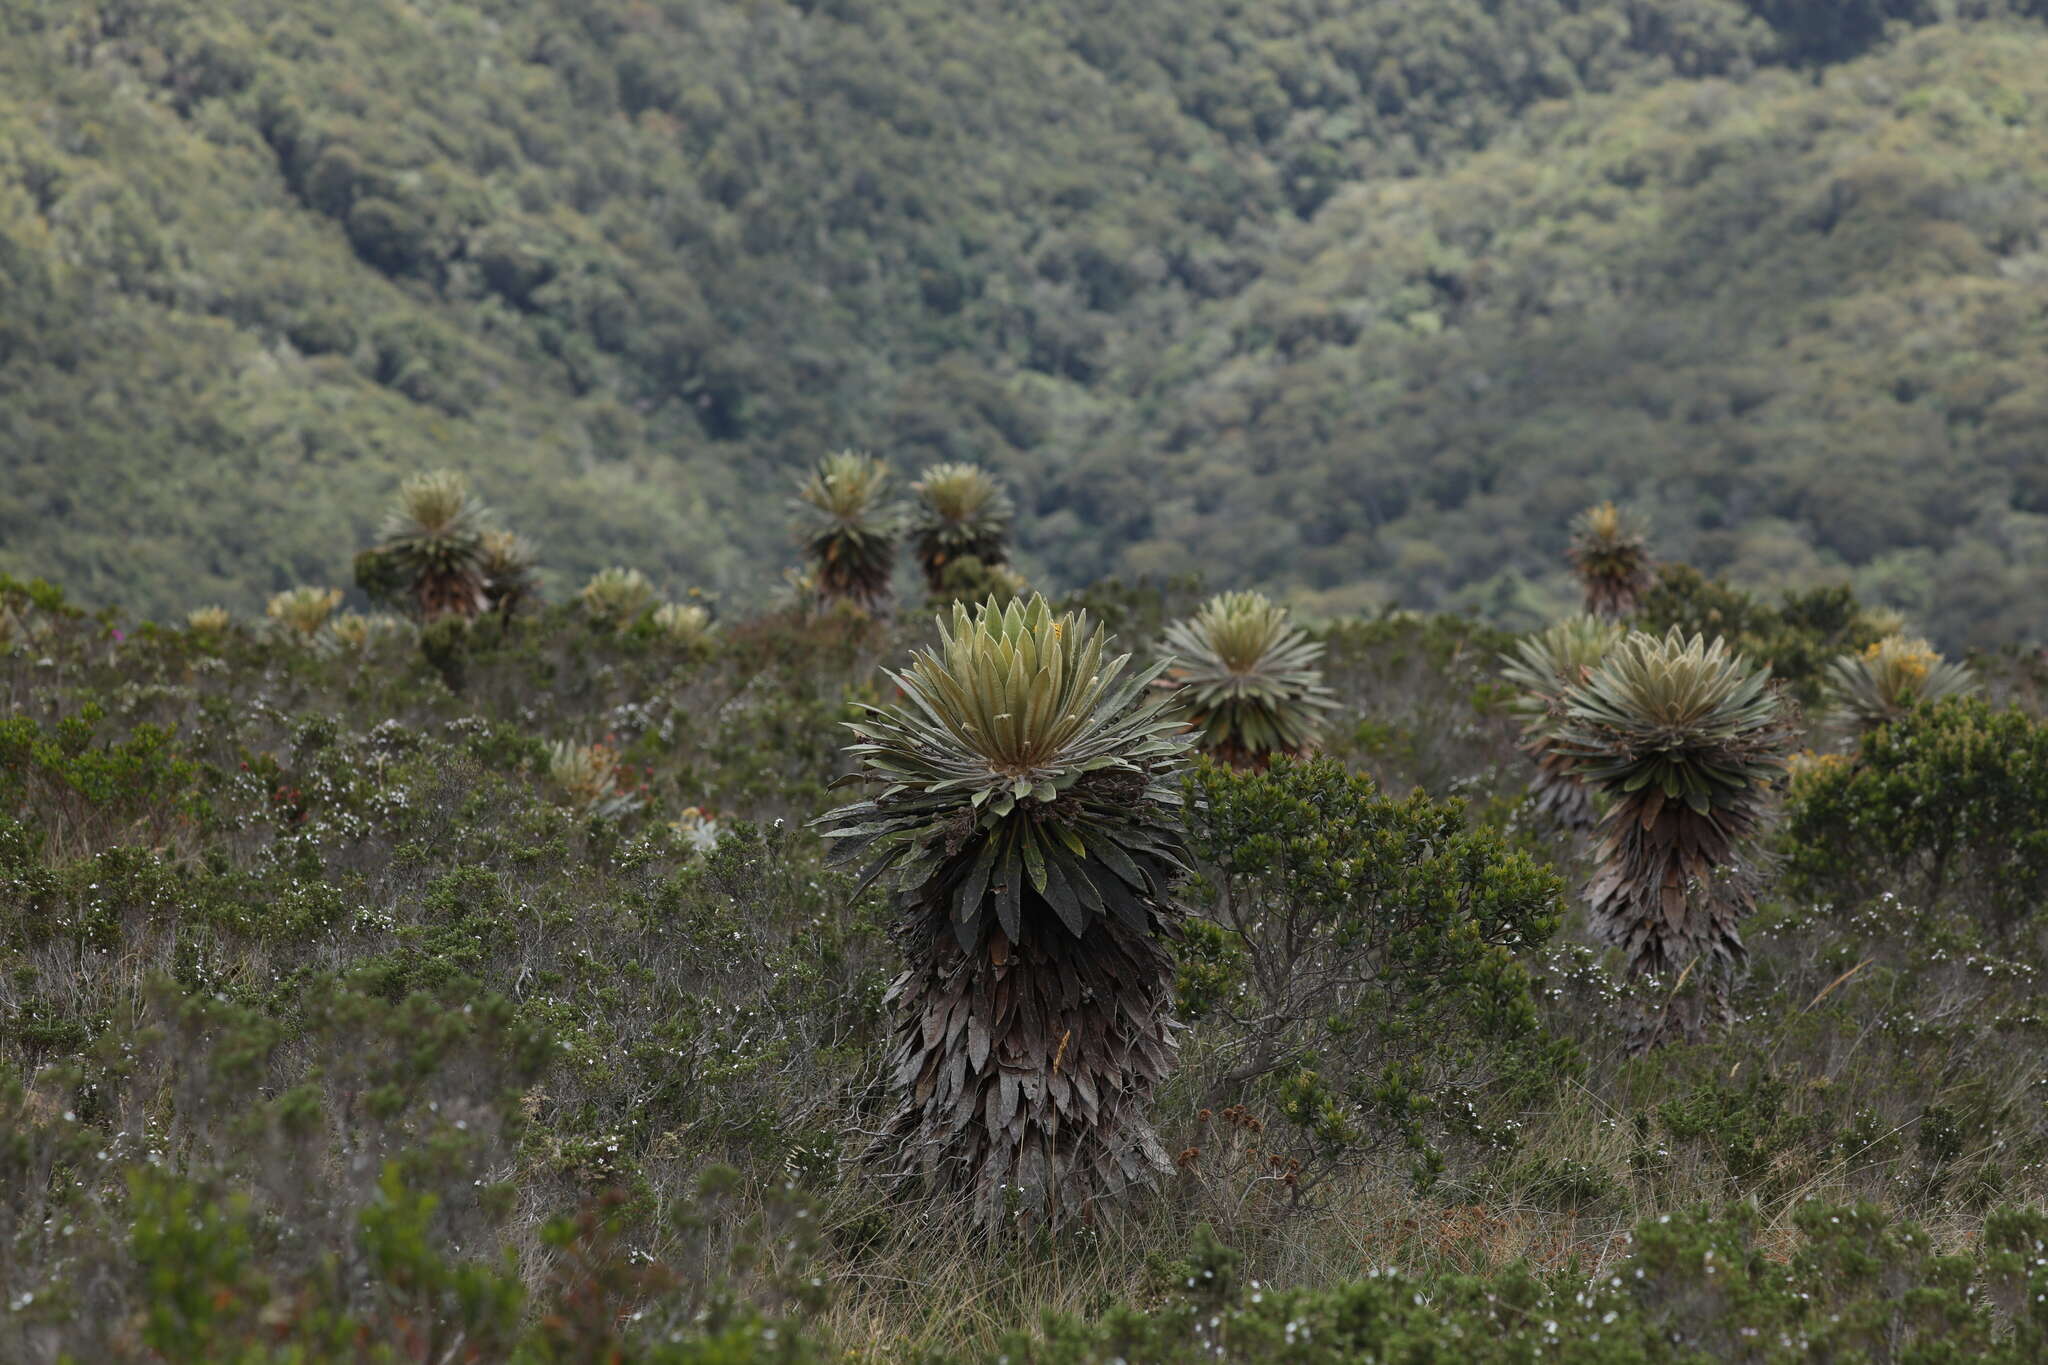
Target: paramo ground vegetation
[{"x": 391, "y": 990}]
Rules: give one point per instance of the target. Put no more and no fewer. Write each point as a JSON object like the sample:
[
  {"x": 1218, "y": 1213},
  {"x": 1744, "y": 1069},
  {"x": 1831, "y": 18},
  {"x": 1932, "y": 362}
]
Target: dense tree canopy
[{"x": 1361, "y": 299}]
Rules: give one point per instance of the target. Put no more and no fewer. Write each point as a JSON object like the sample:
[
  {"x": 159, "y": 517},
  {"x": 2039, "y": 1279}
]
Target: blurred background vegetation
[{"x": 1351, "y": 301}]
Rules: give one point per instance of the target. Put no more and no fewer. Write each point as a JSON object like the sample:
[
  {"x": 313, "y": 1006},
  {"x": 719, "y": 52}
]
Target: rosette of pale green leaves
[
  {"x": 588, "y": 775},
  {"x": 431, "y": 546},
  {"x": 615, "y": 598},
  {"x": 208, "y": 620},
  {"x": 1247, "y": 678},
  {"x": 961, "y": 512},
  {"x": 351, "y": 630},
  {"x": 1612, "y": 558},
  {"x": 849, "y": 533},
  {"x": 303, "y": 611},
  {"x": 1885, "y": 681},
  {"x": 1547, "y": 662},
  {"x": 684, "y": 623},
  {"x": 1684, "y": 718},
  {"x": 1544, "y": 665},
  {"x": 1023, "y": 769}
]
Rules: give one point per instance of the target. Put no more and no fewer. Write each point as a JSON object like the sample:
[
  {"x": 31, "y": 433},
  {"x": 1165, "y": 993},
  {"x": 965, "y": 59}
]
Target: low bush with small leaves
[
  {"x": 1945, "y": 806},
  {"x": 1372, "y": 953}
]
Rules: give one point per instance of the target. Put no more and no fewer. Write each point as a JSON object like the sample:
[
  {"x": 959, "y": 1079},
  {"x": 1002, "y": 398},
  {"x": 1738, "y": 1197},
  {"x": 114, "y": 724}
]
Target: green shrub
[
  {"x": 410, "y": 1296},
  {"x": 90, "y": 783},
  {"x": 1945, "y": 807},
  {"x": 967, "y": 579},
  {"x": 1429, "y": 709},
  {"x": 1376, "y": 944},
  {"x": 390, "y": 236}
]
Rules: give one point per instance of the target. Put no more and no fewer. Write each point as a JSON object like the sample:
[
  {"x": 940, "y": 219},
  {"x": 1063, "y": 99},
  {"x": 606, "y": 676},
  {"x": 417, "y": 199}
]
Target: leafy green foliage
[
  {"x": 1946, "y": 805},
  {"x": 1375, "y": 946},
  {"x": 88, "y": 782},
  {"x": 210, "y": 1299},
  {"x": 1424, "y": 705},
  {"x": 631, "y": 259},
  {"x": 1693, "y": 1286},
  {"x": 1553, "y": 320}
]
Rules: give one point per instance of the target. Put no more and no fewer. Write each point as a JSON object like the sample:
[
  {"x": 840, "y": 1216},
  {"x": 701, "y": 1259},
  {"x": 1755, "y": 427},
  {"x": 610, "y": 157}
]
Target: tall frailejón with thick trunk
[
  {"x": 1685, "y": 738},
  {"x": 1027, "y": 818}
]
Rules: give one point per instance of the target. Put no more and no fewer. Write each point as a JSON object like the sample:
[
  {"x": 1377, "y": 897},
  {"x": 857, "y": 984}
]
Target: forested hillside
[{"x": 1353, "y": 299}]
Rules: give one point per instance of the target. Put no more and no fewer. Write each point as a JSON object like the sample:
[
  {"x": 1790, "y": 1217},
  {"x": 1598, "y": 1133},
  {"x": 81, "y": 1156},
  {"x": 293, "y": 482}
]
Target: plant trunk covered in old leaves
[
  {"x": 1028, "y": 822},
  {"x": 1024, "y": 1067}
]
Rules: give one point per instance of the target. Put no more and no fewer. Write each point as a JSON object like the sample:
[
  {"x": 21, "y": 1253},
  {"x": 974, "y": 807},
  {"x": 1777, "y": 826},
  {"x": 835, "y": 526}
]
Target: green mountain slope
[
  {"x": 1803, "y": 325},
  {"x": 1354, "y": 297}
]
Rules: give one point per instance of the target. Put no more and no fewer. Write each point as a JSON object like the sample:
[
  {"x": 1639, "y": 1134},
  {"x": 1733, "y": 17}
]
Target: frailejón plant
[
  {"x": 430, "y": 550},
  {"x": 1881, "y": 683},
  {"x": 1544, "y": 665},
  {"x": 1027, "y": 819},
  {"x": 962, "y": 512},
  {"x": 1611, "y": 556},
  {"x": 849, "y": 534},
  {"x": 1685, "y": 739},
  {"x": 1247, "y": 679}
]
